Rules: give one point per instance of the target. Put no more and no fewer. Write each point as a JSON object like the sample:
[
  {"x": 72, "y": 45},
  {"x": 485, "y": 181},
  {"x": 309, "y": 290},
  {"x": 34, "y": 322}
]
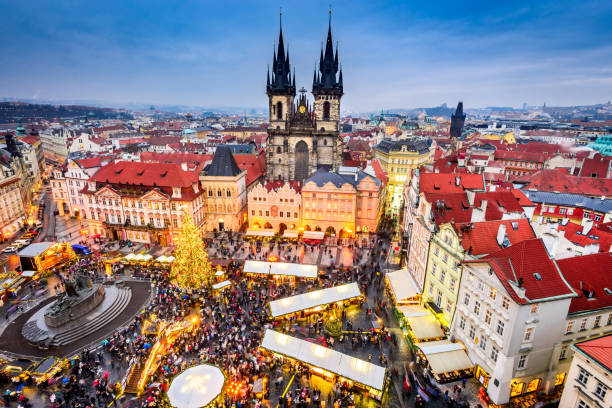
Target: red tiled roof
[
  {"x": 480, "y": 238},
  {"x": 479, "y": 157},
  {"x": 450, "y": 183},
  {"x": 520, "y": 156},
  {"x": 30, "y": 139},
  {"x": 522, "y": 198},
  {"x": 522, "y": 261},
  {"x": 598, "y": 166},
  {"x": 598, "y": 277},
  {"x": 163, "y": 140},
  {"x": 558, "y": 180},
  {"x": 276, "y": 184},
  {"x": 494, "y": 177},
  {"x": 573, "y": 233},
  {"x": 123, "y": 142},
  {"x": 255, "y": 165},
  {"x": 102, "y": 129},
  {"x": 149, "y": 174},
  {"x": 599, "y": 349},
  {"x": 99, "y": 140},
  {"x": 379, "y": 171},
  {"x": 94, "y": 161}
]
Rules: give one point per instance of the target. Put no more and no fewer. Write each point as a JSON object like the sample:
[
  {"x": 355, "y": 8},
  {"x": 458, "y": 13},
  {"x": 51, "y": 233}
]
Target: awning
[
  {"x": 402, "y": 285},
  {"x": 425, "y": 327},
  {"x": 281, "y": 268},
  {"x": 36, "y": 249},
  {"x": 413, "y": 311},
  {"x": 313, "y": 299},
  {"x": 346, "y": 366},
  {"x": 290, "y": 234},
  {"x": 219, "y": 273},
  {"x": 313, "y": 235},
  {"x": 28, "y": 274},
  {"x": 444, "y": 356},
  {"x": 256, "y": 232},
  {"x": 221, "y": 285},
  {"x": 197, "y": 386}
]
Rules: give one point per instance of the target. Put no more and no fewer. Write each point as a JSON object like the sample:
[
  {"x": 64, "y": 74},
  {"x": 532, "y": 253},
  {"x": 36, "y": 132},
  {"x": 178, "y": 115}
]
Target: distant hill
[{"x": 28, "y": 112}]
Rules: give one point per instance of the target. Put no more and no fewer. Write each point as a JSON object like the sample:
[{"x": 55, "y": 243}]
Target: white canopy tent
[
  {"x": 444, "y": 356},
  {"x": 425, "y": 327},
  {"x": 346, "y": 366},
  {"x": 290, "y": 234},
  {"x": 257, "y": 232},
  {"x": 281, "y": 268},
  {"x": 313, "y": 235},
  {"x": 221, "y": 285},
  {"x": 413, "y": 311},
  {"x": 196, "y": 387},
  {"x": 316, "y": 298},
  {"x": 402, "y": 286}
]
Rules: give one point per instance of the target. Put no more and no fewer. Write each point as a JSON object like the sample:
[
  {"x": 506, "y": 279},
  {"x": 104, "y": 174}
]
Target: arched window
[
  {"x": 278, "y": 149},
  {"x": 279, "y": 110},
  {"x": 219, "y": 193},
  {"x": 326, "y": 110},
  {"x": 229, "y": 193},
  {"x": 324, "y": 142}
]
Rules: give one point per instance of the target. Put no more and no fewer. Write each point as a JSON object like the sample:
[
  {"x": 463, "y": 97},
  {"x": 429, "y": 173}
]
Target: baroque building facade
[{"x": 302, "y": 137}]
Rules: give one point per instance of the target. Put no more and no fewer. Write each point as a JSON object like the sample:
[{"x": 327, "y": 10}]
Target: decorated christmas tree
[{"x": 191, "y": 269}]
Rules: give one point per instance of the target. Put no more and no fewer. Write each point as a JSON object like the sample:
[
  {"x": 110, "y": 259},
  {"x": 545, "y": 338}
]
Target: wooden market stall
[
  {"x": 327, "y": 363},
  {"x": 315, "y": 301},
  {"x": 42, "y": 256},
  {"x": 283, "y": 271},
  {"x": 402, "y": 288},
  {"x": 448, "y": 361}
]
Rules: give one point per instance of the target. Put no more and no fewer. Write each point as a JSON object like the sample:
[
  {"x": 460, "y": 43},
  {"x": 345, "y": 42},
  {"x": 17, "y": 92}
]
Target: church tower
[
  {"x": 303, "y": 137},
  {"x": 457, "y": 122},
  {"x": 280, "y": 86}
]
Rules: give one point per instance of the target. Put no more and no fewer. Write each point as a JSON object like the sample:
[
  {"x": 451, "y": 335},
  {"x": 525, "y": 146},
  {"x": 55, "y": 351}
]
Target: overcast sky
[{"x": 395, "y": 54}]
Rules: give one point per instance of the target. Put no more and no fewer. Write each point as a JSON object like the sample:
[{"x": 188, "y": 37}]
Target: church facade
[{"x": 303, "y": 136}]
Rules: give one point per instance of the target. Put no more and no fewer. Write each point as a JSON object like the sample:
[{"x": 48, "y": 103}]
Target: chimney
[
  {"x": 184, "y": 166},
  {"x": 550, "y": 241},
  {"x": 483, "y": 205},
  {"x": 501, "y": 234},
  {"x": 457, "y": 181},
  {"x": 470, "y": 196},
  {"x": 586, "y": 227}
]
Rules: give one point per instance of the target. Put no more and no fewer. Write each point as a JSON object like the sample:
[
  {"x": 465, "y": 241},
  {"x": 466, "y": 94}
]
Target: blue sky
[{"x": 395, "y": 54}]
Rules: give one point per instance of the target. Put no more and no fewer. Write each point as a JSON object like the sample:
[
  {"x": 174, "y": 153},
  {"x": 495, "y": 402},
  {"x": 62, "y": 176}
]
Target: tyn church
[{"x": 303, "y": 137}]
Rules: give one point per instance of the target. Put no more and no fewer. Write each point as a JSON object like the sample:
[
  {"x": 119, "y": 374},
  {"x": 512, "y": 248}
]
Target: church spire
[
  {"x": 328, "y": 67},
  {"x": 281, "y": 80}
]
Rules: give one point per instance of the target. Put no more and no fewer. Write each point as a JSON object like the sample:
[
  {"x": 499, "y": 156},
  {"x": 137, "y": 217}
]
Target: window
[
  {"x": 453, "y": 283},
  {"x": 326, "y": 110},
  {"x": 445, "y": 258},
  {"x": 563, "y": 353},
  {"x": 506, "y": 303},
  {"x": 449, "y": 305},
  {"x": 472, "y": 332},
  {"x": 436, "y": 251},
  {"x": 431, "y": 288},
  {"x": 561, "y": 210},
  {"x": 601, "y": 390},
  {"x": 466, "y": 299},
  {"x": 462, "y": 323},
  {"x": 597, "y": 322},
  {"x": 439, "y": 299},
  {"x": 570, "y": 327},
  {"x": 483, "y": 344},
  {"x": 494, "y": 353},
  {"x": 609, "y": 319},
  {"x": 493, "y": 293},
  {"x": 476, "y": 307},
  {"x": 488, "y": 316},
  {"x": 442, "y": 276},
  {"x": 522, "y": 362},
  {"x": 583, "y": 324},
  {"x": 583, "y": 377},
  {"x": 534, "y": 309},
  {"x": 528, "y": 334},
  {"x": 500, "y": 328},
  {"x": 253, "y": 213},
  {"x": 582, "y": 404}
]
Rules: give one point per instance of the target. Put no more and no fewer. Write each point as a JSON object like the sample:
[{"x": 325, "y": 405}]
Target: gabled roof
[
  {"x": 529, "y": 263},
  {"x": 450, "y": 183},
  {"x": 147, "y": 174},
  {"x": 519, "y": 156},
  {"x": 254, "y": 164},
  {"x": 599, "y": 349},
  {"x": 589, "y": 275},
  {"x": 598, "y": 166},
  {"x": 97, "y": 161},
  {"x": 276, "y": 184},
  {"x": 223, "y": 163},
  {"x": 573, "y": 233},
  {"x": 480, "y": 238},
  {"x": 560, "y": 181},
  {"x": 379, "y": 171}
]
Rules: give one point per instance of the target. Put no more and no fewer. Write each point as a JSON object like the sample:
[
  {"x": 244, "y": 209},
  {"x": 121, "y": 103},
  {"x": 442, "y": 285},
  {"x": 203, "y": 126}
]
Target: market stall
[
  {"x": 448, "y": 361},
  {"x": 313, "y": 236},
  {"x": 315, "y": 301},
  {"x": 259, "y": 233},
  {"x": 47, "y": 369},
  {"x": 218, "y": 287},
  {"x": 280, "y": 270},
  {"x": 327, "y": 363},
  {"x": 197, "y": 386},
  {"x": 419, "y": 324},
  {"x": 42, "y": 256},
  {"x": 402, "y": 288}
]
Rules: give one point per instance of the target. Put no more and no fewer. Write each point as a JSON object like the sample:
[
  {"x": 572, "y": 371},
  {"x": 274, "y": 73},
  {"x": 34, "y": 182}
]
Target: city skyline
[{"x": 394, "y": 56}]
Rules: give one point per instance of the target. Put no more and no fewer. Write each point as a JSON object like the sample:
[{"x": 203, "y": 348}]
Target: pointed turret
[
  {"x": 457, "y": 122},
  {"x": 328, "y": 81},
  {"x": 280, "y": 81}
]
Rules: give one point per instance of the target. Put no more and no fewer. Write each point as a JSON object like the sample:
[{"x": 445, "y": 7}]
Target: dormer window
[{"x": 176, "y": 192}]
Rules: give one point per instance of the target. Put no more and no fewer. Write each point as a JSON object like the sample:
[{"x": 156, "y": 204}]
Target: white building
[
  {"x": 88, "y": 143},
  {"x": 511, "y": 310},
  {"x": 55, "y": 143},
  {"x": 589, "y": 381}
]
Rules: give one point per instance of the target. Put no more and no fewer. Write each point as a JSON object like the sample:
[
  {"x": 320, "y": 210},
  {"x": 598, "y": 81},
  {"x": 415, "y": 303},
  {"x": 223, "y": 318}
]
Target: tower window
[
  {"x": 325, "y": 110},
  {"x": 324, "y": 142},
  {"x": 279, "y": 110},
  {"x": 278, "y": 149}
]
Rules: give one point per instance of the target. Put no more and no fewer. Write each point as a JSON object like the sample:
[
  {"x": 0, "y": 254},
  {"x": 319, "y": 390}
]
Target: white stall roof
[
  {"x": 444, "y": 356},
  {"x": 316, "y": 298},
  {"x": 290, "y": 234},
  {"x": 413, "y": 311},
  {"x": 341, "y": 364},
  {"x": 281, "y": 268},
  {"x": 402, "y": 285},
  {"x": 425, "y": 327},
  {"x": 196, "y": 387},
  {"x": 36, "y": 249},
  {"x": 313, "y": 235},
  {"x": 221, "y": 285},
  {"x": 256, "y": 232}
]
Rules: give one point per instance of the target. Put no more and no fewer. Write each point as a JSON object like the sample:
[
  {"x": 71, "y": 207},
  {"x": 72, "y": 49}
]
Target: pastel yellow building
[{"x": 507, "y": 137}]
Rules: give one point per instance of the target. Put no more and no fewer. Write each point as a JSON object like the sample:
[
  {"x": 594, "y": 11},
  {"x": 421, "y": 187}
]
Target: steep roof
[
  {"x": 599, "y": 349},
  {"x": 528, "y": 261},
  {"x": 97, "y": 161},
  {"x": 379, "y": 171},
  {"x": 560, "y": 181},
  {"x": 450, "y": 183},
  {"x": 420, "y": 146},
  {"x": 598, "y": 166},
  {"x": 519, "y": 156},
  {"x": 573, "y": 233},
  {"x": 480, "y": 238},
  {"x": 147, "y": 174},
  {"x": 589, "y": 286},
  {"x": 254, "y": 164},
  {"x": 223, "y": 163}
]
